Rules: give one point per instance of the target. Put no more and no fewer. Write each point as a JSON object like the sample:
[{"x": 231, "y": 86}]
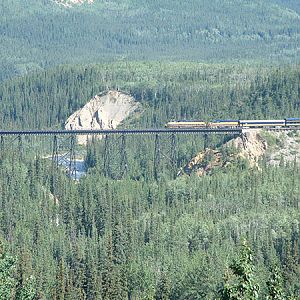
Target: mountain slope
[{"x": 42, "y": 33}]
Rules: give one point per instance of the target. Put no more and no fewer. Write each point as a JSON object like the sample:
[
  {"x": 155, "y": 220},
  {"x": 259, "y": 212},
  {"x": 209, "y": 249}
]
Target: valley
[{"x": 149, "y": 150}]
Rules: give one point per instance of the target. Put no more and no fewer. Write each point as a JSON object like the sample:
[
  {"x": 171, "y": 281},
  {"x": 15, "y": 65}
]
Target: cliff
[
  {"x": 104, "y": 111},
  {"x": 70, "y": 3}
]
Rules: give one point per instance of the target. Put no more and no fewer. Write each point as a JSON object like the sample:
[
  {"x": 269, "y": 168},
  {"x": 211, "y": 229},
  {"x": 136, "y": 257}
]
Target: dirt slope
[
  {"x": 104, "y": 111},
  {"x": 250, "y": 148},
  {"x": 70, "y": 3}
]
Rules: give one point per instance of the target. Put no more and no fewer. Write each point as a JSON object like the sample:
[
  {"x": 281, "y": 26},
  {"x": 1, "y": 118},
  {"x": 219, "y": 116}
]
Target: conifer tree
[
  {"x": 10, "y": 288},
  {"x": 275, "y": 285},
  {"x": 60, "y": 280},
  {"x": 163, "y": 288},
  {"x": 239, "y": 278},
  {"x": 7, "y": 281}
]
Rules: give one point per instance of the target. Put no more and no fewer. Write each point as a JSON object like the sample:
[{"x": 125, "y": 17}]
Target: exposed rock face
[
  {"x": 284, "y": 147},
  {"x": 70, "y": 3},
  {"x": 104, "y": 111},
  {"x": 204, "y": 162},
  {"x": 252, "y": 146}
]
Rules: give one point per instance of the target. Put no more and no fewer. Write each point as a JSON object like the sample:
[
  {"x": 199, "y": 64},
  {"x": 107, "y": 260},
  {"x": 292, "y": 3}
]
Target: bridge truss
[{"x": 114, "y": 145}]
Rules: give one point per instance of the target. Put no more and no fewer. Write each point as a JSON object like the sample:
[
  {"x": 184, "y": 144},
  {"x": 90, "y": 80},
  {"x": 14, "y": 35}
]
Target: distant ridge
[{"x": 41, "y": 34}]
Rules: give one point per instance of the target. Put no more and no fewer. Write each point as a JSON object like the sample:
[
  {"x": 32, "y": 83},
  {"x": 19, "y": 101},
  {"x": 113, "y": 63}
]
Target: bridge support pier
[
  {"x": 55, "y": 153},
  {"x": 54, "y": 167},
  {"x": 206, "y": 141},
  {"x": 123, "y": 157},
  {"x": 20, "y": 147},
  {"x": 244, "y": 139},
  {"x": 2, "y": 149},
  {"x": 157, "y": 158},
  {"x": 166, "y": 155},
  {"x": 72, "y": 163},
  {"x": 106, "y": 157},
  {"x": 173, "y": 156},
  {"x": 68, "y": 159}
]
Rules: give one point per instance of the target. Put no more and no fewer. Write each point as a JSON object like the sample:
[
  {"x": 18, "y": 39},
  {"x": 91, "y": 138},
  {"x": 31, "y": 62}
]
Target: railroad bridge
[{"x": 165, "y": 143}]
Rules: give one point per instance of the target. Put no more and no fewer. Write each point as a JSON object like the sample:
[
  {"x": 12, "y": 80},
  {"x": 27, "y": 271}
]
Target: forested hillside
[
  {"x": 131, "y": 240},
  {"x": 37, "y": 34},
  {"x": 147, "y": 234},
  {"x": 138, "y": 226},
  {"x": 166, "y": 91}
]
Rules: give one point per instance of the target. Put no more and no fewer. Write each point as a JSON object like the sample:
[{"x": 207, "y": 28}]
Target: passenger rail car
[
  {"x": 292, "y": 122},
  {"x": 261, "y": 123},
  {"x": 288, "y": 122}
]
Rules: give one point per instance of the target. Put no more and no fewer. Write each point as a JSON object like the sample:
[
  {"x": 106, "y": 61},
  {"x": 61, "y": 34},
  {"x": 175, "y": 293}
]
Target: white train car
[
  {"x": 292, "y": 122},
  {"x": 262, "y": 123}
]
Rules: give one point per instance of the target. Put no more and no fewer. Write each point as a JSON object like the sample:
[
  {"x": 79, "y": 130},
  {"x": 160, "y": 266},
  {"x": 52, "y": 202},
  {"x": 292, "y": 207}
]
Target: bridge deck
[
  {"x": 142, "y": 131},
  {"x": 124, "y": 131}
]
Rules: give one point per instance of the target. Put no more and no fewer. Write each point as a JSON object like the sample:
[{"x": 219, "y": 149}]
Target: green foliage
[
  {"x": 28, "y": 291},
  {"x": 7, "y": 270},
  {"x": 167, "y": 91},
  {"x": 239, "y": 279},
  {"x": 10, "y": 288},
  {"x": 117, "y": 238},
  {"x": 39, "y": 34},
  {"x": 291, "y": 268},
  {"x": 196, "y": 282},
  {"x": 108, "y": 237},
  {"x": 269, "y": 138},
  {"x": 275, "y": 285},
  {"x": 163, "y": 288}
]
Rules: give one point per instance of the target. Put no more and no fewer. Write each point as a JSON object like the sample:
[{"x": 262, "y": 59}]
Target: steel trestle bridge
[
  {"x": 124, "y": 131},
  {"x": 150, "y": 131},
  {"x": 165, "y": 144}
]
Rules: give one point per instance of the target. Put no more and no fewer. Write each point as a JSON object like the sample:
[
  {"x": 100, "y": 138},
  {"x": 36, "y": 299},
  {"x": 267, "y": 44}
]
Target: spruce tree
[
  {"x": 163, "y": 288},
  {"x": 275, "y": 285},
  {"x": 7, "y": 281},
  {"x": 239, "y": 280}
]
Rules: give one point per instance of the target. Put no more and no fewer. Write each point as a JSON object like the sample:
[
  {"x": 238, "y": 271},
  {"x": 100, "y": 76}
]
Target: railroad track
[
  {"x": 124, "y": 131},
  {"x": 148, "y": 131}
]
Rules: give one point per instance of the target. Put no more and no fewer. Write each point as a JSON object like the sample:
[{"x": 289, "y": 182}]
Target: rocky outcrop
[
  {"x": 275, "y": 147},
  {"x": 70, "y": 3},
  {"x": 205, "y": 162},
  {"x": 104, "y": 111},
  {"x": 250, "y": 148},
  {"x": 284, "y": 147}
]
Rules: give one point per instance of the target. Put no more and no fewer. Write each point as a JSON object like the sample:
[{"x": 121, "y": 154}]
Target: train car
[
  {"x": 288, "y": 122},
  {"x": 292, "y": 122},
  {"x": 224, "y": 123},
  {"x": 186, "y": 124},
  {"x": 262, "y": 123}
]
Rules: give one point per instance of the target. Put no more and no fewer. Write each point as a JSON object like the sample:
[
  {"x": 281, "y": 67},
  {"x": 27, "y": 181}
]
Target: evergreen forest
[
  {"x": 39, "y": 34},
  {"x": 146, "y": 233},
  {"x": 135, "y": 227}
]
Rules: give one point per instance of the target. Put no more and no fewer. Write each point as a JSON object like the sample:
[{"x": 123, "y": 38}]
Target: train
[{"x": 288, "y": 122}]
